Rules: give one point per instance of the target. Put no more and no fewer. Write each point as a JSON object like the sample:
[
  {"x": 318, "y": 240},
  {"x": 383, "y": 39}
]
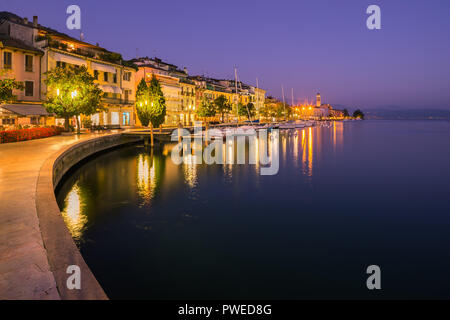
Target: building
[
  {"x": 56, "y": 49},
  {"x": 21, "y": 61},
  {"x": 173, "y": 80}
]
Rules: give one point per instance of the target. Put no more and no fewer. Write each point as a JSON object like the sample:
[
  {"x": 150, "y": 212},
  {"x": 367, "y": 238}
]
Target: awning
[
  {"x": 69, "y": 59},
  {"x": 103, "y": 67},
  {"x": 26, "y": 109},
  {"x": 111, "y": 89}
]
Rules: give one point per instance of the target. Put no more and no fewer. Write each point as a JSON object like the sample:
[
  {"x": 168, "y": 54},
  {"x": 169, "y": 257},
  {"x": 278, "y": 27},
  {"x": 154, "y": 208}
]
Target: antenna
[
  {"x": 292, "y": 96},
  {"x": 237, "y": 95}
]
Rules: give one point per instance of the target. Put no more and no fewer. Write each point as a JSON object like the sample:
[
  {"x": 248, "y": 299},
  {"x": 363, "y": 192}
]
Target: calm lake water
[{"x": 345, "y": 197}]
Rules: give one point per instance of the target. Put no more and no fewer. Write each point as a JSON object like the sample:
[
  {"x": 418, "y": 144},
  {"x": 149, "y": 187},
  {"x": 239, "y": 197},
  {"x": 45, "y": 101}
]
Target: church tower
[{"x": 318, "y": 100}]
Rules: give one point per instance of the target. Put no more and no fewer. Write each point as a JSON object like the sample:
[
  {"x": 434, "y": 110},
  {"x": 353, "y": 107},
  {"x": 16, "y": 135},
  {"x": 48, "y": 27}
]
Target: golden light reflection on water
[
  {"x": 190, "y": 170},
  {"x": 310, "y": 152},
  {"x": 146, "y": 177},
  {"x": 72, "y": 213}
]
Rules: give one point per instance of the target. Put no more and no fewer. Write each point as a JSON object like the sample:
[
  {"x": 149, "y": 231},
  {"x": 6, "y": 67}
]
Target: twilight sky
[{"x": 309, "y": 45}]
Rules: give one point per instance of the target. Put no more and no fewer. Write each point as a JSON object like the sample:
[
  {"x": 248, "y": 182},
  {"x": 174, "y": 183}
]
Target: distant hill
[{"x": 407, "y": 114}]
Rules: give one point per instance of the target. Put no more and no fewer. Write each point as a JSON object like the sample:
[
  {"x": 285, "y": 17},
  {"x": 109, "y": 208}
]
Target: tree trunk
[
  {"x": 151, "y": 135},
  {"x": 78, "y": 125},
  {"x": 66, "y": 124}
]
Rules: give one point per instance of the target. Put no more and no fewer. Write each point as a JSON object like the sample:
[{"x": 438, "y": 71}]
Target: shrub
[{"x": 29, "y": 134}]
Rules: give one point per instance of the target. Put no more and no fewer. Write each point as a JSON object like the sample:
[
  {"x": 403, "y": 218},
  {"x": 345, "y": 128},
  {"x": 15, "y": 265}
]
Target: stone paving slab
[{"x": 24, "y": 267}]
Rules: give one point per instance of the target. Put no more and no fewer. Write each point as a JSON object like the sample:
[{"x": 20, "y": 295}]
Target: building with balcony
[
  {"x": 56, "y": 49},
  {"x": 21, "y": 61},
  {"x": 170, "y": 78}
]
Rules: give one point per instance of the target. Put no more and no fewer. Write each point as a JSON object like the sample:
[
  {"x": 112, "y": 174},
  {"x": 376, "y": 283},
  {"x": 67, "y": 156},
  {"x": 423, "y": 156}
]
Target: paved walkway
[{"x": 24, "y": 268}]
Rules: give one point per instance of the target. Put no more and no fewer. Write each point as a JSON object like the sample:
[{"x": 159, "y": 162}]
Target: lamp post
[{"x": 189, "y": 115}]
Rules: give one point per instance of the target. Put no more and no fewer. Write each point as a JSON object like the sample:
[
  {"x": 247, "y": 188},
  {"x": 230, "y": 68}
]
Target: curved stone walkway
[{"x": 24, "y": 268}]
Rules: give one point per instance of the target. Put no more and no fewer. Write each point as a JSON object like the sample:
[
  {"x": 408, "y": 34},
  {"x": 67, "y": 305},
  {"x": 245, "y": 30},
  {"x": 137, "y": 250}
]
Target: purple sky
[{"x": 309, "y": 45}]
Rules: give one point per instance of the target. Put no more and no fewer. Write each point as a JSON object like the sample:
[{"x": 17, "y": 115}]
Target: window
[
  {"x": 29, "y": 88},
  {"x": 127, "y": 93},
  {"x": 115, "y": 77},
  {"x": 105, "y": 76},
  {"x": 7, "y": 60},
  {"x": 127, "y": 76},
  {"x": 8, "y": 121},
  {"x": 28, "y": 63},
  {"x": 96, "y": 74},
  {"x": 60, "y": 64}
]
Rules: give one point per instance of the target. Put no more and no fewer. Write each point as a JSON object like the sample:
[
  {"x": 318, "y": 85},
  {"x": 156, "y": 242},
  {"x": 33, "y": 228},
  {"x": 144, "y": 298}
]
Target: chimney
[
  {"x": 35, "y": 21},
  {"x": 25, "y": 20}
]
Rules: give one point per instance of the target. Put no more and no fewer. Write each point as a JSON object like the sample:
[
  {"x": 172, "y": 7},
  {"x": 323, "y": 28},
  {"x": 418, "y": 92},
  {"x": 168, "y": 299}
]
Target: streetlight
[{"x": 189, "y": 115}]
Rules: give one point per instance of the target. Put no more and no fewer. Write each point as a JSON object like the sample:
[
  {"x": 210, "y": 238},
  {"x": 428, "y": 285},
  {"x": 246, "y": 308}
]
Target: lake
[{"x": 352, "y": 195}]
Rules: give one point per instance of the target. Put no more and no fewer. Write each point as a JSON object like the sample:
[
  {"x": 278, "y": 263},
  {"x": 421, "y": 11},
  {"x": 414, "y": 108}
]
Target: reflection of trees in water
[{"x": 150, "y": 174}]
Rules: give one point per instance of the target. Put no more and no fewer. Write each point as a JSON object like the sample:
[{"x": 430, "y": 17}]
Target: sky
[{"x": 309, "y": 46}]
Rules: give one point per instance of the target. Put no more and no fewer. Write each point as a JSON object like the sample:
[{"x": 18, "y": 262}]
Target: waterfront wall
[{"x": 61, "y": 249}]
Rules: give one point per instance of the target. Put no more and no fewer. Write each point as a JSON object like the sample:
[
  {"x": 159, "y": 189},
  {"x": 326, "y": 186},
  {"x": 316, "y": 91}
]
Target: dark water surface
[{"x": 346, "y": 197}]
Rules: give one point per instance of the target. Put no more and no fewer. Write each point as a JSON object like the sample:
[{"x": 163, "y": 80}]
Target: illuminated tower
[{"x": 318, "y": 100}]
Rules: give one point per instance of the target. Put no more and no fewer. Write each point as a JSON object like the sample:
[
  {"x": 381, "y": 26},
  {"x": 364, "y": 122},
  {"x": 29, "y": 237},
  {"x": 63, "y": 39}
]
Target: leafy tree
[
  {"x": 72, "y": 92},
  {"x": 222, "y": 106},
  {"x": 142, "y": 106},
  {"x": 150, "y": 104},
  {"x": 206, "y": 109},
  {"x": 7, "y": 86},
  {"x": 248, "y": 110},
  {"x": 346, "y": 114},
  {"x": 157, "y": 103},
  {"x": 358, "y": 114},
  {"x": 280, "y": 110}
]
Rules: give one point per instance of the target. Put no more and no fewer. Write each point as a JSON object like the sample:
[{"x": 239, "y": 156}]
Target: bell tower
[{"x": 318, "y": 100}]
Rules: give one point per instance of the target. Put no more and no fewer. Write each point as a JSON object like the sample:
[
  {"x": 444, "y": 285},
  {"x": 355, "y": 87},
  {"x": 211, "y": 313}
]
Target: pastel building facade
[
  {"x": 51, "y": 49},
  {"x": 20, "y": 60}
]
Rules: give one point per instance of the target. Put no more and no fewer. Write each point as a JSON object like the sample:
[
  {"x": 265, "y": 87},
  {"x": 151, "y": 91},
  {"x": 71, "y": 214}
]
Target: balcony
[{"x": 118, "y": 101}]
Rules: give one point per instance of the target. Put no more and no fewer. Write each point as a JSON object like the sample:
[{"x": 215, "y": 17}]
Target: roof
[
  {"x": 5, "y": 15},
  {"x": 26, "y": 109},
  {"x": 7, "y": 41}
]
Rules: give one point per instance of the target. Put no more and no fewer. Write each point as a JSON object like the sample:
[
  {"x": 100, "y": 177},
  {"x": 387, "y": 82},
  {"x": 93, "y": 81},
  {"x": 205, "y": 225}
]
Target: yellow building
[
  {"x": 59, "y": 50},
  {"x": 170, "y": 78},
  {"x": 21, "y": 61},
  {"x": 189, "y": 103},
  {"x": 115, "y": 80}
]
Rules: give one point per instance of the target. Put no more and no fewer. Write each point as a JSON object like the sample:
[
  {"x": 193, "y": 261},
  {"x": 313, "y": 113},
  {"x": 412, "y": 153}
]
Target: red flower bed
[{"x": 29, "y": 134}]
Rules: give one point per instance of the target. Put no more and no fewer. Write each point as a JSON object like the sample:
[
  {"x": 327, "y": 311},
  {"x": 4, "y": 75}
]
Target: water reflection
[
  {"x": 190, "y": 170},
  {"x": 72, "y": 213},
  {"x": 146, "y": 177},
  {"x": 136, "y": 175}
]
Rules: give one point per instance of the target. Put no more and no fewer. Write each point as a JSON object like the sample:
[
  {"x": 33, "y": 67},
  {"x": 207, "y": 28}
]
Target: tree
[
  {"x": 72, "y": 92},
  {"x": 7, "y": 86},
  {"x": 222, "y": 105},
  {"x": 346, "y": 114},
  {"x": 280, "y": 110},
  {"x": 142, "y": 106},
  {"x": 358, "y": 114},
  {"x": 150, "y": 104},
  {"x": 248, "y": 110},
  {"x": 206, "y": 109}
]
